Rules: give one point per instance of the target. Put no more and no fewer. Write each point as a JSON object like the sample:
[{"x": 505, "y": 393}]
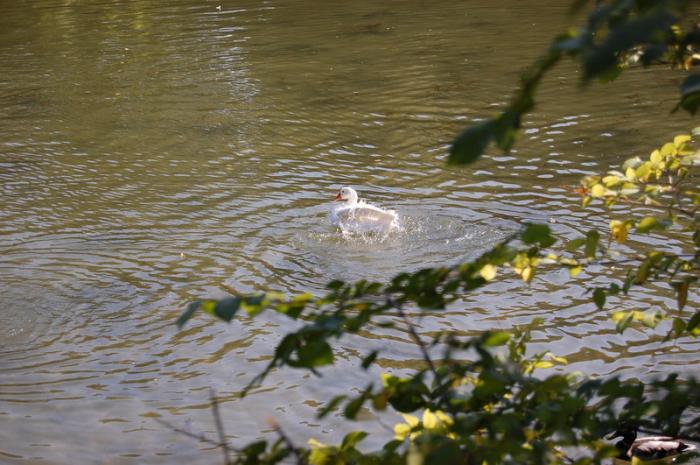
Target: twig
[
  {"x": 689, "y": 213},
  {"x": 414, "y": 334},
  {"x": 184, "y": 432},
  {"x": 294, "y": 449},
  {"x": 221, "y": 443},
  {"x": 564, "y": 456},
  {"x": 220, "y": 427},
  {"x": 384, "y": 425}
]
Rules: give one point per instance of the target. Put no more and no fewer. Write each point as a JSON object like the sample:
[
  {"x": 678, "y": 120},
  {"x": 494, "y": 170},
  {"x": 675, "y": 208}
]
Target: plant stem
[
  {"x": 220, "y": 427},
  {"x": 414, "y": 334}
]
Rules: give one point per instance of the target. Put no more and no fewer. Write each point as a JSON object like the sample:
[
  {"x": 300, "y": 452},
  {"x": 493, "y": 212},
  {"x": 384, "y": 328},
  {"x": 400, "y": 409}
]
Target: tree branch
[
  {"x": 414, "y": 334},
  {"x": 220, "y": 427},
  {"x": 301, "y": 460},
  {"x": 221, "y": 443}
]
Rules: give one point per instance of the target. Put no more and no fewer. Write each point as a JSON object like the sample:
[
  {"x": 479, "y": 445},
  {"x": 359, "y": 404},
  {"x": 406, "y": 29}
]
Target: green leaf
[
  {"x": 651, "y": 319},
  {"x": 645, "y": 29},
  {"x": 682, "y": 296},
  {"x": 505, "y": 129},
  {"x": 574, "y": 244},
  {"x": 335, "y": 284},
  {"x": 690, "y": 94},
  {"x": 623, "y": 320},
  {"x": 316, "y": 352},
  {"x": 496, "y": 339},
  {"x": 694, "y": 323},
  {"x": 352, "y": 439},
  {"x": 392, "y": 445},
  {"x": 571, "y": 43},
  {"x": 254, "y": 449},
  {"x": 471, "y": 143},
  {"x": 646, "y": 224},
  {"x": 227, "y": 308},
  {"x": 599, "y": 297},
  {"x": 253, "y": 305},
  {"x": 538, "y": 234},
  {"x": 643, "y": 271},
  {"x": 187, "y": 314},
  {"x": 369, "y": 359},
  {"x": 331, "y": 406},
  {"x": 353, "y": 407},
  {"x": 592, "y": 239},
  {"x": 678, "y": 326}
]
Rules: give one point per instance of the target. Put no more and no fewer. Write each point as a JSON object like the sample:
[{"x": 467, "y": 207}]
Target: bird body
[
  {"x": 663, "y": 449},
  {"x": 354, "y": 215}
]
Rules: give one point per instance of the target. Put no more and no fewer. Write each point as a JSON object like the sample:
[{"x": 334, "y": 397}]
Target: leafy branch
[{"x": 652, "y": 31}]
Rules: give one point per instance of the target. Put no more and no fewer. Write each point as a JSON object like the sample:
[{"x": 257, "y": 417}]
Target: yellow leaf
[
  {"x": 411, "y": 420},
  {"x": 414, "y": 456},
  {"x": 488, "y": 272},
  {"x": 401, "y": 430},
  {"x": 543, "y": 364},
  {"x": 574, "y": 271},
  {"x": 618, "y": 231},
  {"x": 315, "y": 443},
  {"x": 527, "y": 274},
  {"x": 611, "y": 181},
  {"x": 444, "y": 418},
  {"x": 430, "y": 420},
  {"x": 656, "y": 157},
  {"x": 598, "y": 190},
  {"x": 631, "y": 174},
  {"x": 272, "y": 295},
  {"x": 208, "y": 306},
  {"x": 668, "y": 149},
  {"x": 319, "y": 452},
  {"x": 679, "y": 140},
  {"x": 643, "y": 171}
]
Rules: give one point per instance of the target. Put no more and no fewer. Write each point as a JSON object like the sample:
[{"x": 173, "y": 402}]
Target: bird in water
[
  {"x": 354, "y": 215},
  {"x": 649, "y": 448}
]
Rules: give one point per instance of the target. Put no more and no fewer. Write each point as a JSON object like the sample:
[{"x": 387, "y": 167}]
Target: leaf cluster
[
  {"x": 480, "y": 399},
  {"x": 616, "y": 34}
]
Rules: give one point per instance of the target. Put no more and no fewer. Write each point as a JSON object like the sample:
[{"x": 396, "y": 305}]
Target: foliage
[
  {"x": 618, "y": 33},
  {"x": 661, "y": 181},
  {"x": 480, "y": 401},
  {"x": 487, "y": 399}
]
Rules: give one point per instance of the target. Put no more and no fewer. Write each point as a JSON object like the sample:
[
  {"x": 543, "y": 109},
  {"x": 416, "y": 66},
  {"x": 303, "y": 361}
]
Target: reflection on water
[{"x": 156, "y": 152}]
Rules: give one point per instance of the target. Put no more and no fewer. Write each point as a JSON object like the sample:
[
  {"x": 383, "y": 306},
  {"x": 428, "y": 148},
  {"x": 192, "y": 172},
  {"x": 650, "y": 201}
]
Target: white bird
[{"x": 354, "y": 215}]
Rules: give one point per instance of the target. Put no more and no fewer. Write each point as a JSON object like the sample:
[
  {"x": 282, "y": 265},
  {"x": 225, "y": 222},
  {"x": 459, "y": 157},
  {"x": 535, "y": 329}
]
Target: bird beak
[{"x": 338, "y": 197}]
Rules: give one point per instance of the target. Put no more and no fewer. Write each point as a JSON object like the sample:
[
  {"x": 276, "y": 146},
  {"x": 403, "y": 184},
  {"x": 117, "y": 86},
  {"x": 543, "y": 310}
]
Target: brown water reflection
[{"x": 153, "y": 152}]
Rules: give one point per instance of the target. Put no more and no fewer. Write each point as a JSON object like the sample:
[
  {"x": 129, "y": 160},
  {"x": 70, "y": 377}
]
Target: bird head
[{"x": 346, "y": 194}]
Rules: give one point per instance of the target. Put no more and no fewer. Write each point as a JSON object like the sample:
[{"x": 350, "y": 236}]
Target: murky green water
[{"x": 152, "y": 152}]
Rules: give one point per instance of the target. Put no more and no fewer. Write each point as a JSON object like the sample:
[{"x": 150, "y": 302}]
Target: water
[{"x": 156, "y": 152}]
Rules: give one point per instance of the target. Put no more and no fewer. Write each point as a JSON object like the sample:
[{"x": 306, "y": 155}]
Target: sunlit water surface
[{"x": 154, "y": 152}]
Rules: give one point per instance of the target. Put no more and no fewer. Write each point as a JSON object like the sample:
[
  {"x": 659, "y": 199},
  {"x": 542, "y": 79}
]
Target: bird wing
[
  {"x": 367, "y": 214},
  {"x": 657, "y": 447}
]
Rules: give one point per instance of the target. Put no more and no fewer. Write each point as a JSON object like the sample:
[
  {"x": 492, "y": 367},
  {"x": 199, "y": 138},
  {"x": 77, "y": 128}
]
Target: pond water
[{"x": 154, "y": 152}]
